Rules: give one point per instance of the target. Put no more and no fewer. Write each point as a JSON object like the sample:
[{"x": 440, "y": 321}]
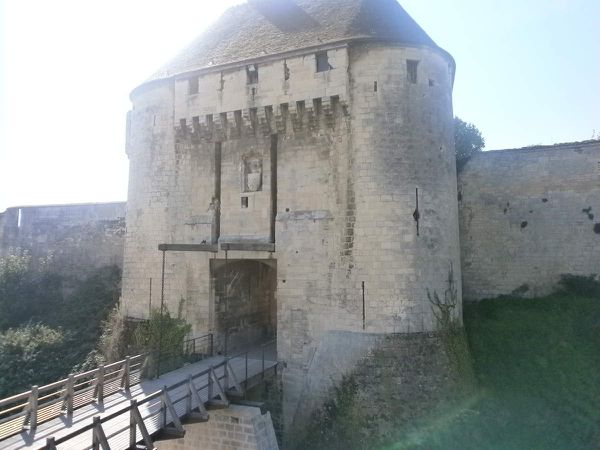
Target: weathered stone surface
[
  {"x": 78, "y": 238},
  {"x": 234, "y": 428},
  {"x": 395, "y": 380},
  {"x": 326, "y": 165},
  {"x": 527, "y": 216}
]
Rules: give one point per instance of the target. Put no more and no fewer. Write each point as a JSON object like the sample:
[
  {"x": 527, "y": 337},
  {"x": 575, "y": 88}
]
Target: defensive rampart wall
[{"x": 527, "y": 216}]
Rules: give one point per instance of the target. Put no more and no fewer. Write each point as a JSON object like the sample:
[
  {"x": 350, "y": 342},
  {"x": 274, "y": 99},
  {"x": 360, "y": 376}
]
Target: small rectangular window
[
  {"x": 193, "y": 85},
  {"x": 411, "y": 69},
  {"x": 244, "y": 202},
  {"x": 322, "y": 62},
  {"x": 252, "y": 74}
]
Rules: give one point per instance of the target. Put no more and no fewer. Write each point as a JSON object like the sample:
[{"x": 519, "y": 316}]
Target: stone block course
[
  {"x": 527, "y": 216},
  {"x": 254, "y": 432}
]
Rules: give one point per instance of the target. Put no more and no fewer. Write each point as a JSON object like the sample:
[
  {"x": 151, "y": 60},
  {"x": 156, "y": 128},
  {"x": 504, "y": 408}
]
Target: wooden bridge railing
[
  {"x": 25, "y": 411},
  {"x": 161, "y": 408}
]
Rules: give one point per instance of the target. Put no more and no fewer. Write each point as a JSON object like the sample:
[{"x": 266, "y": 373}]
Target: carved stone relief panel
[{"x": 251, "y": 173}]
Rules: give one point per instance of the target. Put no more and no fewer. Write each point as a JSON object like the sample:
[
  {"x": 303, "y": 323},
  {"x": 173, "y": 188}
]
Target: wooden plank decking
[{"x": 117, "y": 429}]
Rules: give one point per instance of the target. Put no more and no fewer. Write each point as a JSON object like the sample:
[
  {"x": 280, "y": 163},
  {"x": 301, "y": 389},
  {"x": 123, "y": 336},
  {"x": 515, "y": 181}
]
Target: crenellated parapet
[{"x": 286, "y": 118}]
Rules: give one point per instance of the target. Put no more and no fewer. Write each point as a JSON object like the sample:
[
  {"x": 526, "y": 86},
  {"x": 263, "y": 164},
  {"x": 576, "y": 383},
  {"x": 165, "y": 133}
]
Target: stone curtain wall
[
  {"x": 527, "y": 216},
  {"x": 79, "y": 238}
]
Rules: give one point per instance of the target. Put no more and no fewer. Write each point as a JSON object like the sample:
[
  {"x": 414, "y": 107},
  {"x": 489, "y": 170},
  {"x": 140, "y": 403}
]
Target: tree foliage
[
  {"x": 467, "y": 141},
  {"x": 162, "y": 336},
  {"x": 27, "y": 294},
  {"x": 48, "y": 324},
  {"x": 28, "y": 355}
]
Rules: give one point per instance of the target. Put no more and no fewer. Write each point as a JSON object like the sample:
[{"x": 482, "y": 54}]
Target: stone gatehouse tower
[{"x": 306, "y": 147}]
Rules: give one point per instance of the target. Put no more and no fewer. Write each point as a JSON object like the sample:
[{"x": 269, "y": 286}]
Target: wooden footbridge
[{"x": 114, "y": 407}]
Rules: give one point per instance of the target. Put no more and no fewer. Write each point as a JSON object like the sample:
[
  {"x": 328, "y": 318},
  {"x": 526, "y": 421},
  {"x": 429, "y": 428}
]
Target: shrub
[
  {"x": 28, "y": 355},
  {"x": 581, "y": 285}
]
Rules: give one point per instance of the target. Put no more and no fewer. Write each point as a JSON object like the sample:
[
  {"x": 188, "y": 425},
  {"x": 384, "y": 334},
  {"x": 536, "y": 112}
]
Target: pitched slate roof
[{"x": 262, "y": 27}]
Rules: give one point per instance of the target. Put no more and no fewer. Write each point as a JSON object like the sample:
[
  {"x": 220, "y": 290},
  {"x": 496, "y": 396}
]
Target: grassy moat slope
[{"x": 537, "y": 363}]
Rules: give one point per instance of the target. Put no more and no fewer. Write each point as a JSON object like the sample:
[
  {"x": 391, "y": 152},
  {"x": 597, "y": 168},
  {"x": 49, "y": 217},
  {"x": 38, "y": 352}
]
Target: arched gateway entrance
[{"x": 243, "y": 302}]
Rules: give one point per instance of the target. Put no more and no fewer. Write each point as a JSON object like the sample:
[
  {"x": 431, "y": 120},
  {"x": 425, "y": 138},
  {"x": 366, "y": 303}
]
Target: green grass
[{"x": 537, "y": 363}]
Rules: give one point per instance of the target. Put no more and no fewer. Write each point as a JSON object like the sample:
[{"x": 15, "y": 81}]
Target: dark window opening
[
  {"x": 252, "y": 73},
  {"x": 244, "y": 202},
  {"x": 238, "y": 120},
  {"x": 193, "y": 85},
  {"x": 317, "y": 106},
  {"x": 375, "y": 86},
  {"x": 286, "y": 71},
  {"x": 322, "y": 62},
  {"x": 411, "y": 69}
]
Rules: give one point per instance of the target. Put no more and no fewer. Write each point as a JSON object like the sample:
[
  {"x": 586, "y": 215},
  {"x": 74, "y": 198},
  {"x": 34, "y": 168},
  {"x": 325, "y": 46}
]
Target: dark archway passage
[{"x": 244, "y": 308}]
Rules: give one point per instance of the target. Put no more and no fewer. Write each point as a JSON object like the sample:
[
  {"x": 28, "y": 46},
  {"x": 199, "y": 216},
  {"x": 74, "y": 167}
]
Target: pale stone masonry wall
[
  {"x": 77, "y": 238},
  {"x": 527, "y": 216},
  {"x": 400, "y": 139},
  {"x": 234, "y": 428},
  {"x": 352, "y": 146}
]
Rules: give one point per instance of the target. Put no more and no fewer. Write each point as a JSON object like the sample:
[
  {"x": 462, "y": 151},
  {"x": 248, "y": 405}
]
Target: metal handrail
[{"x": 189, "y": 348}]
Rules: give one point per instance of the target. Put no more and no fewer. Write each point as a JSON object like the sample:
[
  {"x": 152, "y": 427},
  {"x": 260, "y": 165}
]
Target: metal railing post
[
  {"x": 246, "y": 380},
  {"x": 162, "y": 309},
  {"x": 262, "y": 373}
]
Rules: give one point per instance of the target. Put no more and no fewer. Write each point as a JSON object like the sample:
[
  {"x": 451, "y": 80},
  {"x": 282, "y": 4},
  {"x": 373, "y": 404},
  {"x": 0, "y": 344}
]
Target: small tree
[
  {"x": 467, "y": 141},
  {"x": 162, "y": 336}
]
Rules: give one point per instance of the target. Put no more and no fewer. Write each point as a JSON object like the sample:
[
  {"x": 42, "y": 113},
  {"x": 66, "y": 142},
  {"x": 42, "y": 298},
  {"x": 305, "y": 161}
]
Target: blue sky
[{"x": 528, "y": 72}]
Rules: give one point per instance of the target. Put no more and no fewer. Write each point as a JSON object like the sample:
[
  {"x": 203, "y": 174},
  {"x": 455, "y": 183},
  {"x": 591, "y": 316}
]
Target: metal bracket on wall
[{"x": 417, "y": 214}]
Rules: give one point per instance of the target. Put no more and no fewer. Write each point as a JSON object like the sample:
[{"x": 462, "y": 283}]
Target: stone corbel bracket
[{"x": 305, "y": 115}]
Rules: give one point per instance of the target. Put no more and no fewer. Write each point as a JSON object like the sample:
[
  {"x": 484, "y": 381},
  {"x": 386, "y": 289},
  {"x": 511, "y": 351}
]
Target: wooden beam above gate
[{"x": 213, "y": 248}]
